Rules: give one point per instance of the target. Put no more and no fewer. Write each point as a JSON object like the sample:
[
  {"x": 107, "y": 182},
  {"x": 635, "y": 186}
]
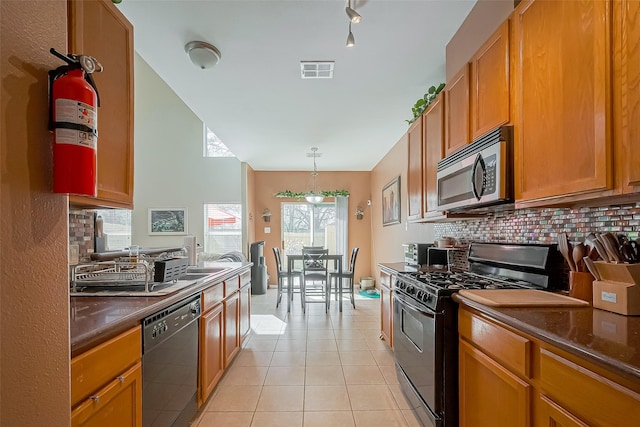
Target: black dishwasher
[{"x": 170, "y": 365}]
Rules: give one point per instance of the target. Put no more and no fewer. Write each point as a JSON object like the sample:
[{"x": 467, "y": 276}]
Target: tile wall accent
[
  {"x": 543, "y": 225},
  {"x": 81, "y": 231}
]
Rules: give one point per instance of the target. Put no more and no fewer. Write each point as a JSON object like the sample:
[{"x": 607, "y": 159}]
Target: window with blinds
[{"x": 117, "y": 228}]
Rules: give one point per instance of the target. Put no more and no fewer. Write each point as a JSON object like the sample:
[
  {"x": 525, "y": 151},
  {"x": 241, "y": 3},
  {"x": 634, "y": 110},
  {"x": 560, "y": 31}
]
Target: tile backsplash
[
  {"x": 543, "y": 225},
  {"x": 81, "y": 231}
]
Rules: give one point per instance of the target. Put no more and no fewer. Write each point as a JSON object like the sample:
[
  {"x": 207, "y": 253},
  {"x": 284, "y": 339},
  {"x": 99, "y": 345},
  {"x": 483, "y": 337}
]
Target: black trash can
[{"x": 259, "y": 269}]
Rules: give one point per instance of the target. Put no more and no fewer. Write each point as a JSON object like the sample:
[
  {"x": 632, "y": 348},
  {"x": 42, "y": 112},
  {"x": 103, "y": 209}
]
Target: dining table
[{"x": 337, "y": 268}]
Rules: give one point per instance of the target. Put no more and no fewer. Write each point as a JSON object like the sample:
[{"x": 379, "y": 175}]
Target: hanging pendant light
[
  {"x": 314, "y": 196},
  {"x": 351, "y": 41},
  {"x": 352, "y": 14}
]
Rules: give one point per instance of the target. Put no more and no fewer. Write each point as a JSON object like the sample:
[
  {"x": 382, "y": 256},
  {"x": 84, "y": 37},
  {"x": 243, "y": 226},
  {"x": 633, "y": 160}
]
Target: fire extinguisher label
[{"x": 76, "y": 113}]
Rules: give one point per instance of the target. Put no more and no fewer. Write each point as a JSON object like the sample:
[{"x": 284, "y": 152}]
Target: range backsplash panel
[{"x": 543, "y": 225}]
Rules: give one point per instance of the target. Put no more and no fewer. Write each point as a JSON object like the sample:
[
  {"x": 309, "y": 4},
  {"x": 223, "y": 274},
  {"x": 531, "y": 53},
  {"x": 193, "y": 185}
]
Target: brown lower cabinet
[
  {"x": 231, "y": 327},
  {"x": 514, "y": 379},
  {"x": 106, "y": 383},
  {"x": 224, "y": 324},
  {"x": 245, "y": 312},
  {"x": 386, "y": 307},
  {"x": 211, "y": 351}
]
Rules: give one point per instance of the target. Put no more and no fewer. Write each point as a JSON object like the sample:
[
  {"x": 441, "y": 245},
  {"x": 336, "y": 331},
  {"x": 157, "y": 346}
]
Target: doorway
[{"x": 306, "y": 224}]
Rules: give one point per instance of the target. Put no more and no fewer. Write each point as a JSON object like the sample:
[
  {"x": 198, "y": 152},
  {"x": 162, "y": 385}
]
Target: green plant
[
  {"x": 422, "y": 103},
  {"x": 288, "y": 194}
]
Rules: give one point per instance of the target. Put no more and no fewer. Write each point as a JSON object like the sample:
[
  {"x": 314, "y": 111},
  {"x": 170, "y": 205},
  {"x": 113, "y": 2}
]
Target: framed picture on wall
[
  {"x": 167, "y": 221},
  {"x": 391, "y": 202}
]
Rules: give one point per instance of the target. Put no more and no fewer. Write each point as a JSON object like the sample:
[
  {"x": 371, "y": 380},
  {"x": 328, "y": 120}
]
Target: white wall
[{"x": 170, "y": 171}]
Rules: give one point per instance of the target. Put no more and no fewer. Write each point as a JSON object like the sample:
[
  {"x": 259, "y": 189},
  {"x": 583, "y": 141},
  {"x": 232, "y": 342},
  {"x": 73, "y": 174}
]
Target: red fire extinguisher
[{"x": 73, "y": 118}]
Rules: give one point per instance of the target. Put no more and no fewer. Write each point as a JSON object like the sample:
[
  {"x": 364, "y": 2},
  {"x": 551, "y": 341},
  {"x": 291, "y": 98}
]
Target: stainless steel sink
[
  {"x": 193, "y": 276},
  {"x": 208, "y": 270}
]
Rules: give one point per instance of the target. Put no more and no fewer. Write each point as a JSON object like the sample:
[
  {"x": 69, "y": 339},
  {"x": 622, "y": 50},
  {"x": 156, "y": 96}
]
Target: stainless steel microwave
[{"x": 478, "y": 175}]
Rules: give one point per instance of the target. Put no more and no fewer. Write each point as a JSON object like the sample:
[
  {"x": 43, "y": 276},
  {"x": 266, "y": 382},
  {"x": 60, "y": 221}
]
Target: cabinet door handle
[
  {"x": 96, "y": 399},
  {"x": 121, "y": 379}
]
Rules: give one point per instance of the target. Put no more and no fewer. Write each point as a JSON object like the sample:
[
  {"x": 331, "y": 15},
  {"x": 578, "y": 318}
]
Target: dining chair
[
  {"x": 348, "y": 275},
  {"x": 283, "y": 274},
  {"x": 314, "y": 270}
]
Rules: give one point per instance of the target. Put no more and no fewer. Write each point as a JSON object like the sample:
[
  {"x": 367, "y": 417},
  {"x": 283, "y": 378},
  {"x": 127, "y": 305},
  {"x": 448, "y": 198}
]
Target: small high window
[{"x": 214, "y": 147}]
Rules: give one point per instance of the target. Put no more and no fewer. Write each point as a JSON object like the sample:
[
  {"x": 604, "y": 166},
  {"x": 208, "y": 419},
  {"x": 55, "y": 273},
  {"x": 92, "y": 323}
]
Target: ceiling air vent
[{"x": 316, "y": 69}]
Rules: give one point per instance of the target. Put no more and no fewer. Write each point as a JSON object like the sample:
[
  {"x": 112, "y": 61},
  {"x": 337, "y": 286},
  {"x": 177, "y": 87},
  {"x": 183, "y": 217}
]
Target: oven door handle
[{"x": 404, "y": 302}]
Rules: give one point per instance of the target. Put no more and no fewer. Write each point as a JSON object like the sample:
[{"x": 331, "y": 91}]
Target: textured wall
[
  {"x": 34, "y": 296},
  {"x": 386, "y": 242},
  {"x": 170, "y": 170},
  {"x": 267, "y": 183}
]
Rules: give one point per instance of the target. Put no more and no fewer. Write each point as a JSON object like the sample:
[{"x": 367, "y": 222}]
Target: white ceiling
[{"x": 255, "y": 100}]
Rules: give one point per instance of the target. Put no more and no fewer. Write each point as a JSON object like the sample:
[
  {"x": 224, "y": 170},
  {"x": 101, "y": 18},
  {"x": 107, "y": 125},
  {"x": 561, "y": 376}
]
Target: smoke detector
[{"x": 316, "y": 69}]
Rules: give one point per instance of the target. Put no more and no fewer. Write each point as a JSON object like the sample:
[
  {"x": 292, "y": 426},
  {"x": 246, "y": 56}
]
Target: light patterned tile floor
[{"x": 307, "y": 370}]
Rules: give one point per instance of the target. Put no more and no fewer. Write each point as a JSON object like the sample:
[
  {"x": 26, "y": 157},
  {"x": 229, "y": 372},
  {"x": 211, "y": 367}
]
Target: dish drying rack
[{"x": 146, "y": 272}]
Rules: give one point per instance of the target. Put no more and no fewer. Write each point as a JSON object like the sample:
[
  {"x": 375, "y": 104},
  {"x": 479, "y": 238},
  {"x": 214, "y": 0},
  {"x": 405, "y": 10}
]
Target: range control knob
[
  {"x": 165, "y": 328},
  {"x": 426, "y": 297},
  {"x": 411, "y": 289},
  {"x": 420, "y": 295}
]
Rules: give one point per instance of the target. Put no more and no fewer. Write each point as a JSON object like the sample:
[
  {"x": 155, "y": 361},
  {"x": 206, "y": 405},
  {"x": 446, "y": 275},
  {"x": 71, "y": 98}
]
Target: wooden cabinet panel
[
  {"x": 99, "y": 29},
  {"x": 386, "y": 308},
  {"x": 510, "y": 349},
  {"x": 231, "y": 285},
  {"x": 490, "y": 82},
  {"x": 212, "y": 296},
  {"x": 457, "y": 111},
  {"x": 245, "y": 312},
  {"x": 490, "y": 392},
  {"x": 117, "y": 404},
  {"x": 231, "y": 328},
  {"x": 414, "y": 173},
  {"x": 588, "y": 395},
  {"x": 211, "y": 351},
  {"x": 627, "y": 93},
  {"x": 562, "y": 98},
  {"x": 552, "y": 415},
  {"x": 100, "y": 365},
  {"x": 433, "y": 141}
]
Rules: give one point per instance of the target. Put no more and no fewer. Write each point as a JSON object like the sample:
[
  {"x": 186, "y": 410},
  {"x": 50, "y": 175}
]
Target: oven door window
[{"x": 415, "y": 349}]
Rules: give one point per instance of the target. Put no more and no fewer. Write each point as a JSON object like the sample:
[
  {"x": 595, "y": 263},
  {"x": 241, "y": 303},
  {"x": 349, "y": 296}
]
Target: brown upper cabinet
[
  {"x": 99, "y": 29},
  {"x": 627, "y": 94},
  {"x": 433, "y": 142},
  {"x": 490, "y": 81},
  {"x": 457, "y": 111},
  {"x": 414, "y": 173},
  {"x": 562, "y": 99}
]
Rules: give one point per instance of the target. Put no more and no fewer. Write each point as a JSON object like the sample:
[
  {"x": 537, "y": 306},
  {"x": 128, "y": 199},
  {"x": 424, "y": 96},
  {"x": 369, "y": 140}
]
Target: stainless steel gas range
[{"x": 425, "y": 320}]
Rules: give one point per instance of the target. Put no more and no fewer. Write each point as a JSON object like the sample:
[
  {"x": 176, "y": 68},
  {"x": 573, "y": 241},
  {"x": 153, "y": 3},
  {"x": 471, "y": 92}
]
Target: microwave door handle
[{"x": 477, "y": 174}]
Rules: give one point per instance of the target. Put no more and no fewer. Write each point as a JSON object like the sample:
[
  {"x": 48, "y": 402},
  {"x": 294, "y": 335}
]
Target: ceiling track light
[
  {"x": 351, "y": 41},
  {"x": 352, "y": 14}
]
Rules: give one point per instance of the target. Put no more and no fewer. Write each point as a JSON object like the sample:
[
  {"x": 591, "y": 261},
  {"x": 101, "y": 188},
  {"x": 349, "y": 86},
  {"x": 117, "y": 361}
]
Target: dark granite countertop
[
  {"x": 96, "y": 319},
  {"x": 396, "y": 267},
  {"x": 609, "y": 340}
]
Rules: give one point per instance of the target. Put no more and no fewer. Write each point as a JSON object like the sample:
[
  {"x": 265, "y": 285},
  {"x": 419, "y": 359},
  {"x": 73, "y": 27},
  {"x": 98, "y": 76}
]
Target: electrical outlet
[{"x": 267, "y": 230}]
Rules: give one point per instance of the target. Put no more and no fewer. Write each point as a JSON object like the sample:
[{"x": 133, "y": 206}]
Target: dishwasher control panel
[{"x": 163, "y": 324}]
